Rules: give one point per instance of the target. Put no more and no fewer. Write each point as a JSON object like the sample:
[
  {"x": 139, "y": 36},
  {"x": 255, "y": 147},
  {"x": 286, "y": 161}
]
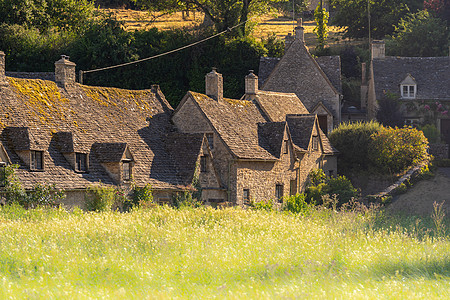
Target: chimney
[
  {"x": 3, "y": 81},
  {"x": 363, "y": 73},
  {"x": 300, "y": 31},
  {"x": 64, "y": 71},
  {"x": 378, "y": 49},
  {"x": 251, "y": 84},
  {"x": 288, "y": 41},
  {"x": 214, "y": 85}
]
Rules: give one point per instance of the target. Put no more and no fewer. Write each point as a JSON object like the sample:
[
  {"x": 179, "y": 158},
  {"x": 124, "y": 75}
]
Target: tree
[
  {"x": 420, "y": 34},
  {"x": 389, "y": 113},
  {"x": 223, "y": 13},
  {"x": 384, "y": 15},
  {"x": 321, "y": 30}
]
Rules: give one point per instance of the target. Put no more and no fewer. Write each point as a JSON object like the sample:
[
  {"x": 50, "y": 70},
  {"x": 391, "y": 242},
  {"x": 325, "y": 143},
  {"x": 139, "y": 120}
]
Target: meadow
[{"x": 162, "y": 253}]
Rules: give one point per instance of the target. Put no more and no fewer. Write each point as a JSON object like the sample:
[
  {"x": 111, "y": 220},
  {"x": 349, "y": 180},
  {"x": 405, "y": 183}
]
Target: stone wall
[{"x": 439, "y": 151}]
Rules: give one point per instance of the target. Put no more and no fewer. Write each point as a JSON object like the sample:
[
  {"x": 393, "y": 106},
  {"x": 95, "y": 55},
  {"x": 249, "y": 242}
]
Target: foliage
[
  {"x": 439, "y": 8},
  {"x": 267, "y": 205},
  {"x": 142, "y": 195},
  {"x": 438, "y": 219},
  {"x": 385, "y": 15},
  {"x": 316, "y": 177},
  {"x": 43, "y": 195},
  {"x": 186, "y": 200},
  {"x": 393, "y": 150},
  {"x": 46, "y": 14},
  {"x": 297, "y": 204},
  {"x": 419, "y": 34},
  {"x": 430, "y": 132},
  {"x": 273, "y": 45},
  {"x": 389, "y": 113},
  {"x": 401, "y": 189},
  {"x": 100, "y": 197},
  {"x": 321, "y": 29},
  {"x": 13, "y": 190},
  {"x": 352, "y": 140}
]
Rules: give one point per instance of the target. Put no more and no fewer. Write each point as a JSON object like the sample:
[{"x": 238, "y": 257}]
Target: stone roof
[
  {"x": 430, "y": 73},
  {"x": 108, "y": 116},
  {"x": 185, "y": 149},
  {"x": 109, "y": 152},
  {"x": 235, "y": 121},
  {"x": 270, "y": 137},
  {"x": 277, "y": 105},
  {"x": 33, "y": 75},
  {"x": 330, "y": 65}
]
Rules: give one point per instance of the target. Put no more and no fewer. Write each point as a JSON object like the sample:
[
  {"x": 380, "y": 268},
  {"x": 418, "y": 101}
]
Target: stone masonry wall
[{"x": 439, "y": 151}]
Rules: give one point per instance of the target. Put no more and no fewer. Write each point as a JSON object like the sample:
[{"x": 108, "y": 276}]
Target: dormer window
[
  {"x": 408, "y": 91},
  {"x": 81, "y": 162},
  {"x": 408, "y": 87},
  {"x": 37, "y": 160},
  {"x": 315, "y": 142}
]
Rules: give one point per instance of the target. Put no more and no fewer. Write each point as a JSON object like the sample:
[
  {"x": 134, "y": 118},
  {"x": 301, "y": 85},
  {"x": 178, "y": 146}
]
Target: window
[
  {"x": 203, "y": 164},
  {"x": 412, "y": 122},
  {"x": 210, "y": 138},
  {"x": 127, "y": 170},
  {"x": 315, "y": 142},
  {"x": 81, "y": 162},
  {"x": 293, "y": 187},
  {"x": 246, "y": 196},
  {"x": 279, "y": 192},
  {"x": 286, "y": 146},
  {"x": 37, "y": 160},
  {"x": 408, "y": 91}
]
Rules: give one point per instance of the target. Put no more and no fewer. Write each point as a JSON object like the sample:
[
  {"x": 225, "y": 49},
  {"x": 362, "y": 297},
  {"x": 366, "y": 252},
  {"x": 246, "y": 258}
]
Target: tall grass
[{"x": 205, "y": 253}]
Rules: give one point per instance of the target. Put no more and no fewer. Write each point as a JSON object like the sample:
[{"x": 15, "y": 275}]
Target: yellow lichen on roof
[
  {"x": 108, "y": 96},
  {"x": 40, "y": 96},
  {"x": 235, "y": 103}
]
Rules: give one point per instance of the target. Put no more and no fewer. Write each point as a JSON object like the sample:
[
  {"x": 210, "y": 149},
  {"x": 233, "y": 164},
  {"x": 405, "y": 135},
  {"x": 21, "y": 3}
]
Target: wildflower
[
  {"x": 444, "y": 112},
  {"x": 439, "y": 106},
  {"x": 427, "y": 107}
]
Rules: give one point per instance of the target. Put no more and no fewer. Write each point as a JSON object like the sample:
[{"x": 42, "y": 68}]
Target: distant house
[
  {"x": 315, "y": 81},
  {"x": 71, "y": 135},
  {"x": 262, "y": 146},
  {"x": 421, "y": 84}
]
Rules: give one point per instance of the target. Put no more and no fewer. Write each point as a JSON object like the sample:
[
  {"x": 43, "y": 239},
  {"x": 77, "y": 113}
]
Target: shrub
[
  {"x": 13, "y": 190},
  {"x": 263, "y": 205},
  {"x": 100, "y": 197},
  {"x": 353, "y": 142},
  {"x": 430, "y": 132},
  {"x": 141, "y": 196},
  {"x": 342, "y": 188},
  {"x": 395, "y": 149},
  {"x": 186, "y": 200},
  {"x": 297, "y": 204},
  {"x": 44, "y": 195}
]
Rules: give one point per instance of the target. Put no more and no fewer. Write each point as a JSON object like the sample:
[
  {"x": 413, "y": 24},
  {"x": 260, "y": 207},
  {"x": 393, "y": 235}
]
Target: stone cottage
[
  {"x": 262, "y": 146},
  {"x": 72, "y": 135},
  {"x": 316, "y": 81},
  {"x": 421, "y": 84}
]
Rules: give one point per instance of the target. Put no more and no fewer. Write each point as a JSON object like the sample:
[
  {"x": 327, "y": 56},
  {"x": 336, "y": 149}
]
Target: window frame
[
  {"x": 286, "y": 146},
  {"x": 127, "y": 175},
  {"x": 204, "y": 163},
  {"x": 411, "y": 91},
  {"x": 315, "y": 142},
  {"x": 34, "y": 154},
  {"x": 210, "y": 139},
  {"x": 79, "y": 160},
  {"x": 279, "y": 192},
  {"x": 246, "y": 196}
]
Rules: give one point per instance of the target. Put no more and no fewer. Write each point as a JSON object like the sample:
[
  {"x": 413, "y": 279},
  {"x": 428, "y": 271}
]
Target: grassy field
[
  {"x": 265, "y": 25},
  {"x": 233, "y": 253}
]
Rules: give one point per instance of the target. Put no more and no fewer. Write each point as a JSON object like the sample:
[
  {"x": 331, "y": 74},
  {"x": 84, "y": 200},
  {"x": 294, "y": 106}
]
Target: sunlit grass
[{"x": 205, "y": 253}]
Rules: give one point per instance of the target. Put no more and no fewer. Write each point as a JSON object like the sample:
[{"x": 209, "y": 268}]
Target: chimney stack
[
  {"x": 378, "y": 49},
  {"x": 300, "y": 31},
  {"x": 363, "y": 73},
  {"x": 251, "y": 83},
  {"x": 214, "y": 85},
  {"x": 3, "y": 81},
  {"x": 65, "y": 71}
]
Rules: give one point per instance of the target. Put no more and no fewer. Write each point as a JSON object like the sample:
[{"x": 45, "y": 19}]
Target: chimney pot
[
  {"x": 300, "y": 31},
  {"x": 214, "y": 85}
]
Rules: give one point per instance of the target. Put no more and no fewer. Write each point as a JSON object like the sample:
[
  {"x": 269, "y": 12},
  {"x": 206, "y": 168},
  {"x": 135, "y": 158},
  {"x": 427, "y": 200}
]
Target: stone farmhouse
[
  {"x": 421, "y": 84},
  {"x": 316, "y": 81},
  {"x": 72, "y": 135}
]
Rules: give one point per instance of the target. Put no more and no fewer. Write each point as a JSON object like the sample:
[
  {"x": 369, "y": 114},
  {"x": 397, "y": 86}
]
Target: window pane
[
  {"x": 411, "y": 91},
  {"x": 246, "y": 195},
  {"x": 81, "y": 163},
  {"x": 279, "y": 192},
  {"x": 203, "y": 167},
  {"x": 126, "y": 171},
  {"x": 405, "y": 91}
]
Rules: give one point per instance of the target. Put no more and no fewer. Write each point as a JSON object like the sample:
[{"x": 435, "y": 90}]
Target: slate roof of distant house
[
  {"x": 270, "y": 137},
  {"x": 236, "y": 123},
  {"x": 330, "y": 65},
  {"x": 139, "y": 119},
  {"x": 32, "y": 75},
  {"x": 432, "y": 75},
  {"x": 185, "y": 149},
  {"x": 278, "y": 105}
]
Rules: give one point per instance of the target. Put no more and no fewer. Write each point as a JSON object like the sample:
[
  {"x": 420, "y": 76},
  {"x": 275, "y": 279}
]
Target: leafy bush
[
  {"x": 341, "y": 187},
  {"x": 297, "y": 204},
  {"x": 186, "y": 200},
  {"x": 100, "y": 197},
  {"x": 13, "y": 190},
  {"x": 395, "y": 149},
  {"x": 44, "y": 195},
  {"x": 263, "y": 205},
  {"x": 353, "y": 142},
  {"x": 430, "y": 132}
]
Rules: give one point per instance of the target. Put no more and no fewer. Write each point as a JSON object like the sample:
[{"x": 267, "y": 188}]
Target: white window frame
[{"x": 411, "y": 91}]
